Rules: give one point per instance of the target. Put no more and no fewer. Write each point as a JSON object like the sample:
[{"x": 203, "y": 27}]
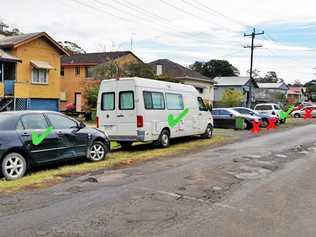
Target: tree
[
  {"x": 231, "y": 98},
  {"x": 255, "y": 74},
  {"x": 270, "y": 77},
  {"x": 108, "y": 70},
  {"x": 92, "y": 96},
  {"x": 6, "y": 30},
  {"x": 138, "y": 70},
  {"x": 72, "y": 47},
  {"x": 215, "y": 68},
  {"x": 297, "y": 83}
]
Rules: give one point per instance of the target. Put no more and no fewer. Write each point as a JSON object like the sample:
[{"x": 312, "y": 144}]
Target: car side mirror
[{"x": 251, "y": 113}]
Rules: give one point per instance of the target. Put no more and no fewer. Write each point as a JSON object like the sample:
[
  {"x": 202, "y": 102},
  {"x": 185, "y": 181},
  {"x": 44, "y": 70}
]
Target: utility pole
[
  {"x": 252, "y": 47},
  {"x": 132, "y": 41}
]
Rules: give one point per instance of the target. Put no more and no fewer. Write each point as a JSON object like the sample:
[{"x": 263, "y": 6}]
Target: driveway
[{"x": 262, "y": 186}]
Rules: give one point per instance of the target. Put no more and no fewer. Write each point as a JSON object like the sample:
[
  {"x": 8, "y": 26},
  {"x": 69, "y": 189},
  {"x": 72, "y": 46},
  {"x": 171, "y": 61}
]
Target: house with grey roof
[
  {"x": 271, "y": 92},
  {"x": 244, "y": 85},
  {"x": 178, "y": 73}
]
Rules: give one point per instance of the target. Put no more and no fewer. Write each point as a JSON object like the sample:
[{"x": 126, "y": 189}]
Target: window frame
[
  {"x": 77, "y": 70},
  {"x": 60, "y": 115},
  {"x": 62, "y": 71},
  {"x": 119, "y": 102},
  {"x": 25, "y": 115},
  {"x": 151, "y": 92},
  {"x": 170, "y": 93},
  {"x": 38, "y": 70},
  {"x": 102, "y": 103},
  {"x": 201, "y": 99}
]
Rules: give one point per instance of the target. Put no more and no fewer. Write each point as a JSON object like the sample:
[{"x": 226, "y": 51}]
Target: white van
[{"x": 137, "y": 109}]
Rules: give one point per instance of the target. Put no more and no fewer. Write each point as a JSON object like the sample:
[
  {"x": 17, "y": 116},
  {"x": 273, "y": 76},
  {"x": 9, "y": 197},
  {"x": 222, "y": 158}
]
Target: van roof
[{"x": 158, "y": 84}]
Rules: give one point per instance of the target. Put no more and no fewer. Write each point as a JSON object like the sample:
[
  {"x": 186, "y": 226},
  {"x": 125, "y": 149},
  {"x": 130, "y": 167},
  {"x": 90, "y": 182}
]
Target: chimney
[{"x": 158, "y": 69}]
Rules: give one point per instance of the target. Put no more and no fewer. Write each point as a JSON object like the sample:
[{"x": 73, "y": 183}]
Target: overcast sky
[{"x": 185, "y": 31}]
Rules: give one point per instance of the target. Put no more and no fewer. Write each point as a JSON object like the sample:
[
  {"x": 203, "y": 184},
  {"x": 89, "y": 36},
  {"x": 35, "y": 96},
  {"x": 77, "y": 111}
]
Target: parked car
[
  {"x": 68, "y": 139},
  {"x": 137, "y": 109},
  {"x": 301, "y": 113},
  {"x": 269, "y": 108},
  {"x": 226, "y": 118},
  {"x": 264, "y": 117}
]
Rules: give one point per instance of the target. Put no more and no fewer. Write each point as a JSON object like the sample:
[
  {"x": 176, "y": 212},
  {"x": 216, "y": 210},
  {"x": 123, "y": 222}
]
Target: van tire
[
  {"x": 126, "y": 145},
  {"x": 164, "y": 138},
  {"x": 208, "y": 132}
]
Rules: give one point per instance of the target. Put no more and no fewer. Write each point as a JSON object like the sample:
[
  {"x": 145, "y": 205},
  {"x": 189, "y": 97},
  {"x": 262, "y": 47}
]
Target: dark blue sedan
[{"x": 68, "y": 139}]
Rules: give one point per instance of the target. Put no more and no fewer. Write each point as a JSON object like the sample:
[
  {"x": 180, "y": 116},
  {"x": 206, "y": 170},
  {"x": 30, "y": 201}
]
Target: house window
[
  {"x": 62, "y": 71},
  {"x": 90, "y": 72},
  {"x": 77, "y": 71},
  {"x": 199, "y": 89},
  {"x": 39, "y": 76}
]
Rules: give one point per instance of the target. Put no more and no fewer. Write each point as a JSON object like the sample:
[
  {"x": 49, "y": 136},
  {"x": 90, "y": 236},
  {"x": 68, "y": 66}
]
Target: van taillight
[
  {"x": 140, "y": 121},
  {"x": 97, "y": 122}
]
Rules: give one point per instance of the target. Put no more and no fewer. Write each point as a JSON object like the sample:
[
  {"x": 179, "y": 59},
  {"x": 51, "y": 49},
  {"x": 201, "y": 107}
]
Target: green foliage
[
  {"x": 108, "y": 70},
  {"x": 231, "y": 98},
  {"x": 215, "y": 68},
  {"x": 279, "y": 97},
  {"x": 138, "y": 70},
  {"x": 92, "y": 96}
]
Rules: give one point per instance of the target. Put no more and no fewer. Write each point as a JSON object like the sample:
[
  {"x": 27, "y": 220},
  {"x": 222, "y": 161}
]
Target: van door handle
[
  {"x": 120, "y": 116},
  {"x": 25, "y": 134}
]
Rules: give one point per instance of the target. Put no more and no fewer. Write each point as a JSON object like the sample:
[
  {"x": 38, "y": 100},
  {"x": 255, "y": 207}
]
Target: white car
[
  {"x": 138, "y": 109},
  {"x": 269, "y": 108},
  {"x": 301, "y": 113}
]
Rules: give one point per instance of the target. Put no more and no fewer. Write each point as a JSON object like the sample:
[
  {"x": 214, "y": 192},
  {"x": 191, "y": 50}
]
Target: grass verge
[{"x": 116, "y": 158}]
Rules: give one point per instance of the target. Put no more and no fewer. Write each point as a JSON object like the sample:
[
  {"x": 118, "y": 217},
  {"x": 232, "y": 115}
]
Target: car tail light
[
  {"x": 140, "y": 121},
  {"x": 97, "y": 122}
]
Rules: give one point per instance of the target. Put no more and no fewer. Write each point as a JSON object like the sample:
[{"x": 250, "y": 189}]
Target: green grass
[{"x": 116, "y": 158}]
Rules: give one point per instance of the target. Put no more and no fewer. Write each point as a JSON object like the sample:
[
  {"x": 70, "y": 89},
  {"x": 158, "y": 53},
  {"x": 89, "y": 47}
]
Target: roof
[
  {"x": 178, "y": 71},
  {"x": 295, "y": 90},
  {"x": 18, "y": 40},
  {"x": 7, "y": 57},
  {"x": 232, "y": 81},
  {"x": 152, "y": 84},
  {"x": 41, "y": 65},
  {"x": 277, "y": 85},
  {"x": 94, "y": 58}
]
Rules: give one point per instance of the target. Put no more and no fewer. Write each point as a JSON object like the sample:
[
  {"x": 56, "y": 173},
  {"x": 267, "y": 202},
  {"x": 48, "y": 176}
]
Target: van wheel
[
  {"x": 208, "y": 132},
  {"x": 126, "y": 145},
  {"x": 164, "y": 138},
  {"x": 13, "y": 166}
]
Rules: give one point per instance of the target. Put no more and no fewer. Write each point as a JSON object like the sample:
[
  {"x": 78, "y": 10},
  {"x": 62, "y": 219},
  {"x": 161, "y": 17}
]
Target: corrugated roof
[
  {"x": 176, "y": 70},
  {"x": 7, "y": 57},
  {"x": 94, "y": 58},
  {"x": 231, "y": 81},
  {"x": 271, "y": 85}
]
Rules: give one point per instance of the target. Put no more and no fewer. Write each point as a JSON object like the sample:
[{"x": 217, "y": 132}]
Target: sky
[{"x": 183, "y": 31}]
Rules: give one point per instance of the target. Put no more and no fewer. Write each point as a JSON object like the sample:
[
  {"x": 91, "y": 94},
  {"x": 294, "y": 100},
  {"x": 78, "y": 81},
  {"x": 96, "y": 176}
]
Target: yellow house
[
  {"x": 77, "y": 73},
  {"x": 30, "y": 72}
]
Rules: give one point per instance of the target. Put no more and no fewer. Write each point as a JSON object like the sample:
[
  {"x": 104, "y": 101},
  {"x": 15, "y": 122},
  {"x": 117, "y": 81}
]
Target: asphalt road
[{"x": 264, "y": 186}]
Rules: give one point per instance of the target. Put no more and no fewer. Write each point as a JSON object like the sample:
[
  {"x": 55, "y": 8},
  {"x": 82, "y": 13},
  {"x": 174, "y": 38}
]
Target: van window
[
  {"x": 202, "y": 106},
  {"x": 174, "y": 101},
  {"x": 154, "y": 100},
  {"x": 108, "y": 101},
  {"x": 126, "y": 100}
]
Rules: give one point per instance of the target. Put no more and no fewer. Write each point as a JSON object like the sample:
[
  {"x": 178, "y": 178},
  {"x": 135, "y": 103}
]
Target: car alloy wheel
[
  {"x": 97, "y": 151},
  {"x": 13, "y": 166}
]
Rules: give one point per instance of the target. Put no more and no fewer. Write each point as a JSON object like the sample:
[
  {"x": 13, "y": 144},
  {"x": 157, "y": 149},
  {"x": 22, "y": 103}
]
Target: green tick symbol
[
  {"x": 173, "y": 121},
  {"x": 284, "y": 115},
  {"x": 39, "y": 138}
]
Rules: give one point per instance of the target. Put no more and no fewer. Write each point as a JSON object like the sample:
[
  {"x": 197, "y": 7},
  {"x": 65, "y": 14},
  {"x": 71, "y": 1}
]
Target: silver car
[{"x": 301, "y": 113}]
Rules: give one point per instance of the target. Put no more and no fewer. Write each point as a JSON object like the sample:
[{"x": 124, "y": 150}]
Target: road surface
[{"x": 263, "y": 186}]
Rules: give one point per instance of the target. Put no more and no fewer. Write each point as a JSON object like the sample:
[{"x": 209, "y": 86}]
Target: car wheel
[
  {"x": 208, "y": 132},
  {"x": 164, "y": 138},
  {"x": 126, "y": 145},
  {"x": 265, "y": 123},
  {"x": 13, "y": 166},
  {"x": 297, "y": 115},
  {"x": 97, "y": 151}
]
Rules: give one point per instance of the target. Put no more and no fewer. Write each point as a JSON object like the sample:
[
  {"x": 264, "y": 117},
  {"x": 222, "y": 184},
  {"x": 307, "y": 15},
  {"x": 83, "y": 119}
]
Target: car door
[
  {"x": 47, "y": 149},
  {"x": 228, "y": 119},
  {"x": 73, "y": 139}
]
